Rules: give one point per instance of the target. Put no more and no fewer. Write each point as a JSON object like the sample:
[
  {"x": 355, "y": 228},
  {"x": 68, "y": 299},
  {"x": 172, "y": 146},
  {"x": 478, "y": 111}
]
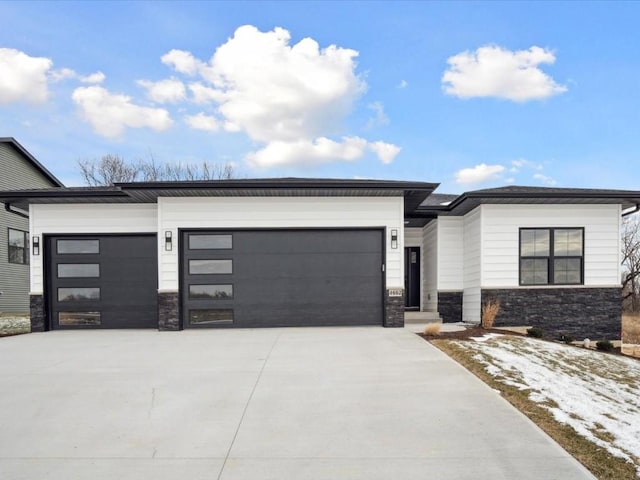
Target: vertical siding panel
[
  {"x": 472, "y": 277},
  {"x": 430, "y": 266}
]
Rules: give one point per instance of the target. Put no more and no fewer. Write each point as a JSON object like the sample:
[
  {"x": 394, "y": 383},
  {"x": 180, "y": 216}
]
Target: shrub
[
  {"x": 490, "y": 311},
  {"x": 631, "y": 328},
  {"x": 566, "y": 338},
  {"x": 535, "y": 332},
  {"x": 604, "y": 345},
  {"x": 432, "y": 329}
]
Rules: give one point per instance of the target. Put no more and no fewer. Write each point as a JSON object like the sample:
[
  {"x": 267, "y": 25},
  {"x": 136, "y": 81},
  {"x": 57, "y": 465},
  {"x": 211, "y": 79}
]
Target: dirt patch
[{"x": 466, "y": 334}]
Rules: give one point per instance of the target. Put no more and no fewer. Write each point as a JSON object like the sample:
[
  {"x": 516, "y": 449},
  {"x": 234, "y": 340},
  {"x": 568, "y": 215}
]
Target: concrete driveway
[{"x": 299, "y": 403}]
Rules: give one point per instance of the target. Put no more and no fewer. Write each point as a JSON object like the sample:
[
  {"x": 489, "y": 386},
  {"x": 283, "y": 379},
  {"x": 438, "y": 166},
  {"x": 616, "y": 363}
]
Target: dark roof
[
  {"x": 438, "y": 199},
  {"x": 530, "y": 195},
  {"x": 38, "y": 166},
  {"x": 148, "y": 192}
]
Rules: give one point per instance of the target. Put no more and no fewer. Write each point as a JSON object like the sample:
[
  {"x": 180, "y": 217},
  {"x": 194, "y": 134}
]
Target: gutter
[
  {"x": 8, "y": 208},
  {"x": 632, "y": 211}
]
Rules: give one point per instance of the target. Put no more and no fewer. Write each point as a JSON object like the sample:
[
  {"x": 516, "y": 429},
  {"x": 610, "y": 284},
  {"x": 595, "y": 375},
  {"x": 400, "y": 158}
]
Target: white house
[{"x": 298, "y": 252}]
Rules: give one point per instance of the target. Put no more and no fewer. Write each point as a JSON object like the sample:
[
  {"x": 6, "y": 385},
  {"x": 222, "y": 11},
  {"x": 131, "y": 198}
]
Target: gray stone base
[
  {"x": 450, "y": 306},
  {"x": 393, "y": 310},
  {"x": 593, "y": 313},
  {"x": 168, "y": 311},
  {"x": 36, "y": 310}
]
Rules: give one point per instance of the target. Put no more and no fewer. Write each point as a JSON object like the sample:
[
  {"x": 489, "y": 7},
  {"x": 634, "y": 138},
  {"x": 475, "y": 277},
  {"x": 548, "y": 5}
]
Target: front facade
[
  {"x": 305, "y": 252},
  {"x": 18, "y": 170}
]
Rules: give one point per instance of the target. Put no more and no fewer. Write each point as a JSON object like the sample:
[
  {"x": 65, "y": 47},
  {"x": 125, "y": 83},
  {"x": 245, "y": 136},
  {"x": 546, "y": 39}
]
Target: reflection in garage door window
[
  {"x": 210, "y": 242},
  {"x": 71, "y": 294},
  {"x": 78, "y": 270},
  {"x": 207, "y": 267},
  {"x": 79, "y": 318},
  {"x": 78, "y": 246},
  {"x": 210, "y": 316},
  {"x": 211, "y": 291}
]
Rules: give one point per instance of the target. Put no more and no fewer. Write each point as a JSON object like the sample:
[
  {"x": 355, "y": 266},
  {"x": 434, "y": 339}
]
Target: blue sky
[{"x": 471, "y": 95}]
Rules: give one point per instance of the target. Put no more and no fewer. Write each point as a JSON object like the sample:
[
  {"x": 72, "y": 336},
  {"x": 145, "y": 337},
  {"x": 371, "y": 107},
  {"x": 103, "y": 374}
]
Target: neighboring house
[
  {"x": 298, "y": 252},
  {"x": 18, "y": 170}
]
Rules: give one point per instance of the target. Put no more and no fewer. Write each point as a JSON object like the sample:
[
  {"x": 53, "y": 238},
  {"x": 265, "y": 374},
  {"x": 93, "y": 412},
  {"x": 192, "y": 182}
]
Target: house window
[
  {"x": 18, "y": 246},
  {"x": 551, "y": 256}
]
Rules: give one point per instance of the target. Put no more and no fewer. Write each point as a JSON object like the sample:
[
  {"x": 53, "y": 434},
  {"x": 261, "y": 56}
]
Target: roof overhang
[{"x": 414, "y": 193}]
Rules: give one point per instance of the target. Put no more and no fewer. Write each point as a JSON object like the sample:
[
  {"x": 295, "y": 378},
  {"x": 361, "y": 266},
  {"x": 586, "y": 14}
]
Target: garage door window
[
  {"x": 78, "y": 270},
  {"x": 210, "y": 316},
  {"x": 77, "y": 246},
  {"x": 75, "y": 294},
  {"x": 75, "y": 319},
  {"x": 210, "y": 291},
  {"x": 210, "y": 242},
  {"x": 209, "y": 267}
]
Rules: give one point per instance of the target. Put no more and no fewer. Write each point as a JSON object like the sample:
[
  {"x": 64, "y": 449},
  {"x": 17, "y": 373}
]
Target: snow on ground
[
  {"x": 595, "y": 393},
  {"x": 10, "y": 324}
]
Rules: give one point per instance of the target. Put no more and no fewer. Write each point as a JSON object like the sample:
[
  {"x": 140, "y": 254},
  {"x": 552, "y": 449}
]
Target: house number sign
[{"x": 395, "y": 292}]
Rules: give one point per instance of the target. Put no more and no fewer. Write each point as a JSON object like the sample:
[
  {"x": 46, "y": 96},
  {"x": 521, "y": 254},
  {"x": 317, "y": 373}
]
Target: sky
[{"x": 470, "y": 95}]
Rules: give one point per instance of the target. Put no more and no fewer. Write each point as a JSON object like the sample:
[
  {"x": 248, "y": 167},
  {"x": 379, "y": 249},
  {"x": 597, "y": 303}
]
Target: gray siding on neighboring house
[{"x": 16, "y": 172}]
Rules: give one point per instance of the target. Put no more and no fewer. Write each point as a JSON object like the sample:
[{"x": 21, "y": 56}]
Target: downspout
[
  {"x": 634, "y": 210},
  {"x": 7, "y": 207}
]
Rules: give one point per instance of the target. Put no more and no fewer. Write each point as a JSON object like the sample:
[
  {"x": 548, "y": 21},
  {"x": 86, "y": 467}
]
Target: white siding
[
  {"x": 472, "y": 274},
  {"x": 500, "y": 234},
  {"x": 430, "y": 266},
  {"x": 450, "y": 253},
  {"x": 86, "y": 218},
  {"x": 281, "y": 212}
]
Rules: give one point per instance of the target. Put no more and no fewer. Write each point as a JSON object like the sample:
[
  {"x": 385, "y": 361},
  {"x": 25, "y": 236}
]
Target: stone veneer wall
[
  {"x": 393, "y": 310},
  {"x": 593, "y": 313},
  {"x": 450, "y": 306},
  {"x": 168, "y": 311},
  {"x": 36, "y": 311}
]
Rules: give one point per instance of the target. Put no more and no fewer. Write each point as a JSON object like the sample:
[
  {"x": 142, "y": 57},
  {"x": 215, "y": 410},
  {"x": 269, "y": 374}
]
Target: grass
[
  {"x": 631, "y": 334},
  {"x": 432, "y": 329},
  {"x": 11, "y": 324},
  {"x": 490, "y": 311},
  {"x": 600, "y": 462}
]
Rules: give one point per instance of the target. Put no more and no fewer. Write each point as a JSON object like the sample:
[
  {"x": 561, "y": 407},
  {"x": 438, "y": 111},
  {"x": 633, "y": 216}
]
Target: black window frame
[
  {"x": 551, "y": 258},
  {"x": 25, "y": 249}
]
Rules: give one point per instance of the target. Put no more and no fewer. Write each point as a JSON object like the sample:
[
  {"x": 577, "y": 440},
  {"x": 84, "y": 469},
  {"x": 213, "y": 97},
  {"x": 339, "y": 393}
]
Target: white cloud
[
  {"x": 478, "y": 174},
  {"x": 201, "y": 94},
  {"x": 170, "y": 90},
  {"x": 97, "y": 77},
  {"x": 289, "y": 97},
  {"x": 23, "y": 78},
  {"x": 379, "y": 118},
  {"x": 182, "y": 61},
  {"x": 546, "y": 180},
  {"x": 321, "y": 150},
  {"x": 110, "y": 114},
  {"x": 492, "y": 71},
  {"x": 386, "y": 152},
  {"x": 62, "y": 74},
  {"x": 202, "y": 121},
  {"x": 403, "y": 84},
  {"x": 520, "y": 163}
]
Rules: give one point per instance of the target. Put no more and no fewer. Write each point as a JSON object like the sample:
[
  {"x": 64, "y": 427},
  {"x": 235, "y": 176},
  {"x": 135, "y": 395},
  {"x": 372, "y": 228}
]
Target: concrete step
[{"x": 421, "y": 317}]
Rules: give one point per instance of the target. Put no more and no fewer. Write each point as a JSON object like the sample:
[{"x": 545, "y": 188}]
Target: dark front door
[
  {"x": 268, "y": 278},
  {"x": 412, "y": 277},
  {"x": 102, "y": 281}
]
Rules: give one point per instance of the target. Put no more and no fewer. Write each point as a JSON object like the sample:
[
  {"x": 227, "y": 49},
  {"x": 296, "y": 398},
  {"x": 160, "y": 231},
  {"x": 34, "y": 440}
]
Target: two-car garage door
[
  {"x": 265, "y": 278},
  {"x": 239, "y": 278}
]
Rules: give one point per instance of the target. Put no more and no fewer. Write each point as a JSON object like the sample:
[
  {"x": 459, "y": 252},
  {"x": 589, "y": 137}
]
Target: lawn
[
  {"x": 586, "y": 400},
  {"x": 13, "y": 324}
]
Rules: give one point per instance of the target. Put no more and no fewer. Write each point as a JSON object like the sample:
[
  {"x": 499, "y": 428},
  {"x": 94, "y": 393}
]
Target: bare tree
[
  {"x": 108, "y": 170},
  {"x": 631, "y": 263},
  {"x": 112, "y": 169}
]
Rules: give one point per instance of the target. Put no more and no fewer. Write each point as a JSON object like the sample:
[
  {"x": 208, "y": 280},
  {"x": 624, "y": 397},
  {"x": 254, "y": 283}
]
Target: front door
[{"x": 412, "y": 277}]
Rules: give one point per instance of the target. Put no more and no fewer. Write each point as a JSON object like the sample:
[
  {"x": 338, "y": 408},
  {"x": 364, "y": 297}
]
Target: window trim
[
  {"x": 25, "y": 256},
  {"x": 550, "y": 258}
]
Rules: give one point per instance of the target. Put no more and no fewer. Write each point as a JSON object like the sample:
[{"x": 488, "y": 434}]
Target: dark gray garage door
[
  {"x": 102, "y": 281},
  {"x": 282, "y": 278}
]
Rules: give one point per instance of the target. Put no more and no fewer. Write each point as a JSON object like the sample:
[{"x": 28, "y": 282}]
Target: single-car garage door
[
  {"x": 270, "y": 278},
  {"x": 102, "y": 281}
]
